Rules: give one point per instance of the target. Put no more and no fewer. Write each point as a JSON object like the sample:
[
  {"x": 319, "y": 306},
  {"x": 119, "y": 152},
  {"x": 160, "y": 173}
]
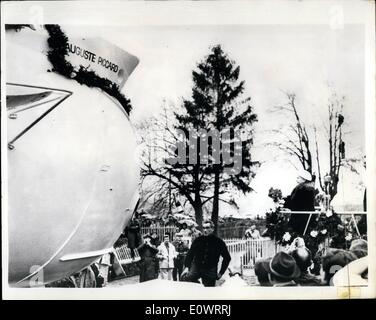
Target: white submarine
[{"x": 72, "y": 170}]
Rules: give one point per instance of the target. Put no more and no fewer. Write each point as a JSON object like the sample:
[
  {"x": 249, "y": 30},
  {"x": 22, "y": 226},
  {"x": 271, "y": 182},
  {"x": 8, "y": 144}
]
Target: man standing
[
  {"x": 181, "y": 249},
  {"x": 133, "y": 234},
  {"x": 203, "y": 256},
  {"x": 302, "y": 198},
  {"x": 148, "y": 251},
  {"x": 166, "y": 255}
]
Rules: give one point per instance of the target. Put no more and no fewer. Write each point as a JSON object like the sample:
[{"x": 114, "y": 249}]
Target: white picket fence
[
  {"x": 245, "y": 252},
  {"x": 160, "y": 231}
]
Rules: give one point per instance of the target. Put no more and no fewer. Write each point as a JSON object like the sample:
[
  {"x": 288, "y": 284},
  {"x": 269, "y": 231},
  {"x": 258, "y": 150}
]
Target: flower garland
[
  {"x": 58, "y": 43},
  {"x": 328, "y": 226}
]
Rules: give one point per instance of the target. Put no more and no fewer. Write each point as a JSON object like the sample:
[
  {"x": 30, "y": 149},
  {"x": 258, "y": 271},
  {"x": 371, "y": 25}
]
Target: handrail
[
  {"x": 351, "y": 213},
  {"x": 319, "y": 212}
]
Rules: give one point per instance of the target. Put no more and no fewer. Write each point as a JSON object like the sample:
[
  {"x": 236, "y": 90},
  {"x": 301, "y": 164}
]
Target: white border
[{"x": 201, "y": 13}]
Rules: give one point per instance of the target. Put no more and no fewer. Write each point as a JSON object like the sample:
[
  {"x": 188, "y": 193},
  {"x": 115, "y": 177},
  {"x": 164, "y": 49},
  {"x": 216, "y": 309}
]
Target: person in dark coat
[
  {"x": 154, "y": 239},
  {"x": 302, "y": 198},
  {"x": 155, "y": 242},
  {"x": 148, "y": 252},
  {"x": 182, "y": 250},
  {"x": 133, "y": 234},
  {"x": 203, "y": 257}
]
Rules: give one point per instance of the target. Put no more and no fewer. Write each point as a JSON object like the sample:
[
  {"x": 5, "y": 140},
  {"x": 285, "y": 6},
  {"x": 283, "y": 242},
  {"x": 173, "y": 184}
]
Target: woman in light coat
[{"x": 166, "y": 254}]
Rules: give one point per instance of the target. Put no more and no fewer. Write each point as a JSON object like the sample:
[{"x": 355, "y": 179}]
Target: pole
[
  {"x": 355, "y": 224},
  {"x": 169, "y": 195},
  {"x": 309, "y": 219}
]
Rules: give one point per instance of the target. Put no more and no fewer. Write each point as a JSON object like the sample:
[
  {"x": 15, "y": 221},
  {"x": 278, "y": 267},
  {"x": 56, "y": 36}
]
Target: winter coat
[
  {"x": 134, "y": 236},
  {"x": 166, "y": 257},
  {"x": 302, "y": 198},
  {"x": 149, "y": 264}
]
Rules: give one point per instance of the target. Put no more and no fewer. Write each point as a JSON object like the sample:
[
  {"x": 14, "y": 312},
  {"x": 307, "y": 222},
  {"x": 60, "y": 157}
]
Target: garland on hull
[{"x": 58, "y": 43}]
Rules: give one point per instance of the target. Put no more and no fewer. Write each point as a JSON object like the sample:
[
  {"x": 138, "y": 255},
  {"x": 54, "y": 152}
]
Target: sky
[{"x": 310, "y": 60}]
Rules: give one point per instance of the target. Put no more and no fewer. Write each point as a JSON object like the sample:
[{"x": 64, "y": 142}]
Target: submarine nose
[{"x": 71, "y": 175}]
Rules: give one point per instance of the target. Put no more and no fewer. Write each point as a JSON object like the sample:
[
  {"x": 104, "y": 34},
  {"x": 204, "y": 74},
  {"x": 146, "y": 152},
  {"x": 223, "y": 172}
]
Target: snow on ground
[
  {"x": 226, "y": 288},
  {"x": 164, "y": 289}
]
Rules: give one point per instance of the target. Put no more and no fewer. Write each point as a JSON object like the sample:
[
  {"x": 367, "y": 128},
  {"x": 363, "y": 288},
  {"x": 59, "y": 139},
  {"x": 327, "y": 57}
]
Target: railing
[
  {"x": 223, "y": 232},
  {"x": 349, "y": 213},
  {"x": 160, "y": 231},
  {"x": 124, "y": 255},
  {"x": 245, "y": 252}
]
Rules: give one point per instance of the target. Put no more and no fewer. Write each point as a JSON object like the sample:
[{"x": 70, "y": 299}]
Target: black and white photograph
[{"x": 188, "y": 150}]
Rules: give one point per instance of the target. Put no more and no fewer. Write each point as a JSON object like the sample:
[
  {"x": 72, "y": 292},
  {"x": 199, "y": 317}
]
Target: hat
[
  {"x": 284, "y": 266},
  {"x": 147, "y": 235},
  {"x": 281, "y": 265},
  {"x": 305, "y": 175},
  {"x": 179, "y": 234}
]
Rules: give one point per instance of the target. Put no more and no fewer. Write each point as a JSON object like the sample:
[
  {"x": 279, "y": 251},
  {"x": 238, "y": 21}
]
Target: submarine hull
[{"x": 72, "y": 176}]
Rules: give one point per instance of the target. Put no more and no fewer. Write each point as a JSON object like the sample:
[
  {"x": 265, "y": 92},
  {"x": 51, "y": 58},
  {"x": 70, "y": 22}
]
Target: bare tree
[
  {"x": 155, "y": 198},
  {"x": 159, "y": 138},
  {"x": 295, "y": 139},
  {"x": 336, "y": 146},
  {"x": 163, "y": 180}
]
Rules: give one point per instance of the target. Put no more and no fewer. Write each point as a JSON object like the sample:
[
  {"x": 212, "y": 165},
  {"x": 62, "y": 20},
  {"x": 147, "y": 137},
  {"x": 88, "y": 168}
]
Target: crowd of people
[
  {"x": 181, "y": 260},
  {"x": 149, "y": 221},
  {"x": 293, "y": 266},
  {"x": 307, "y": 265},
  {"x": 192, "y": 255},
  {"x": 164, "y": 260}
]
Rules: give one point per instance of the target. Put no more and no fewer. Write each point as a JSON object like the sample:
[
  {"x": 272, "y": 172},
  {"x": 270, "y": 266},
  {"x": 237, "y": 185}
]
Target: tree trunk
[
  {"x": 197, "y": 202},
  {"x": 334, "y": 187},
  {"x": 198, "y": 214},
  {"x": 216, "y": 201}
]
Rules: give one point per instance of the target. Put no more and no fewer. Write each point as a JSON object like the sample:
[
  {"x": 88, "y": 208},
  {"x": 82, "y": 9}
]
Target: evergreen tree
[{"x": 217, "y": 104}]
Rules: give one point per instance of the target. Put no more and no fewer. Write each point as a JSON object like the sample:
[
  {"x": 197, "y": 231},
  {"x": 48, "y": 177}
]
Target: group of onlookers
[
  {"x": 164, "y": 260},
  {"x": 307, "y": 265},
  {"x": 292, "y": 267},
  {"x": 180, "y": 261},
  {"x": 149, "y": 221}
]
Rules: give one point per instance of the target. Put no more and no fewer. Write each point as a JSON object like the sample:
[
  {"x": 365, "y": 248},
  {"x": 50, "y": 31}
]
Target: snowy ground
[
  {"x": 229, "y": 288},
  {"x": 248, "y": 276},
  {"x": 226, "y": 288}
]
